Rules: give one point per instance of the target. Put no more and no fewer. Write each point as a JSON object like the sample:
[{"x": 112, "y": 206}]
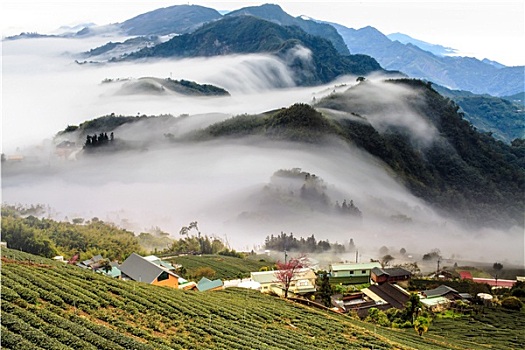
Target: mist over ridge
[{"x": 217, "y": 182}]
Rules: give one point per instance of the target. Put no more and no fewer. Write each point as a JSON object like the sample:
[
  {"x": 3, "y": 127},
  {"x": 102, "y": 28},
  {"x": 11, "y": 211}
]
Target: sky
[{"x": 481, "y": 29}]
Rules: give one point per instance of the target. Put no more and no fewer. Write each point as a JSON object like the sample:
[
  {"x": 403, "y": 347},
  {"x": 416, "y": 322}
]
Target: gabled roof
[
  {"x": 390, "y": 294},
  {"x": 206, "y": 284},
  {"x": 142, "y": 270},
  {"x": 158, "y": 261},
  {"x": 439, "y": 291},
  {"x": 355, "y": 266},
  {"x": 391, "y": 272}
]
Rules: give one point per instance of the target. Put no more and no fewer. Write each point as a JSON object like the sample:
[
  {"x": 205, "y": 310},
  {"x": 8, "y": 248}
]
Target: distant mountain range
[
  {"x": 313, "y": 59},
  {"x": 460, "y": 73},
  {"x": 437, "y": 50}
]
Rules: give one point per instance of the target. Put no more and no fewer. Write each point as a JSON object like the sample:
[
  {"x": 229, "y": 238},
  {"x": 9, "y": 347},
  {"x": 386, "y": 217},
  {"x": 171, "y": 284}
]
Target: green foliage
[
  {"x": 287, "y": 242},
  {"x": 512, "y": 303},
  {"x": 48, "y": 238},
  {"x": 325, "y": 290},
  {"x": 503, "y": 118}
]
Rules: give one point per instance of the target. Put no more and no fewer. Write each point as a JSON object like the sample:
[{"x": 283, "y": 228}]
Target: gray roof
[
  {"x": 142, "y": 270},
  {"x": 439, "y": 291},
  {"x": 392, "y": 272}
]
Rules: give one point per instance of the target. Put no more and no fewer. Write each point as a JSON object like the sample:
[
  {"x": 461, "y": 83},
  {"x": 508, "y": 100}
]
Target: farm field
[
  {"x": 49, "y": 305},
  {"x": 225, "y": 267}
]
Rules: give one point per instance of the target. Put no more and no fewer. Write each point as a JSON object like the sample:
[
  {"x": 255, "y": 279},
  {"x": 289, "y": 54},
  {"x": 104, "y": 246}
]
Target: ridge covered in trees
[{"x": 248, "y": 34}]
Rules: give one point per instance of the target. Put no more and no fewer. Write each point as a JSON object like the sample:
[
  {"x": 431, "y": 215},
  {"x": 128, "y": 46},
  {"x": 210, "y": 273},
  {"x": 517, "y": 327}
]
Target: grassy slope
[
  {"x": 226, "y": 267},
  {"x": 46, "y": 305}
]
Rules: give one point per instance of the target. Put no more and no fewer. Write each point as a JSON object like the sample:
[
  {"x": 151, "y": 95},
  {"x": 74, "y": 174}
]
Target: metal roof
[
  {"x": 142, "y": 270},
  {"x": 439, "y": 291},
  {"x": 392, "y": 272},
  {"x": 206, "y": 284},
  {"x": 354, "y": 266}
]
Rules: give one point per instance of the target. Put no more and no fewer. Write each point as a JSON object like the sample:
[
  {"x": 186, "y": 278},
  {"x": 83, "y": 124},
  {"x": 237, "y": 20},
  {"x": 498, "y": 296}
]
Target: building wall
[{"x": 172, "y": 281}]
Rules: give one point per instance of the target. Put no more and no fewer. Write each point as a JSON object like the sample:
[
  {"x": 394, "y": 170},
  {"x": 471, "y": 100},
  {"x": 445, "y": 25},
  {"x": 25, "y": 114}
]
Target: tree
[
  {"x": 497, "y": 266},
  {"x": 421, "y": 325},
  {"x": 412, "y": 307},
  {"x": 385, "y": 260},
  {"x": 402, "y": 251},
  {"x": 286, "y": 272},
  {"x": 325, "y": 289}
]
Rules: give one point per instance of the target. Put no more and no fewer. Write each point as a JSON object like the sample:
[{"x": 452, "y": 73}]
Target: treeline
[
  {"x": 48, "y": 238},
  {"x": 287, "y": 242},
  {"x": 313, "y": 191}
]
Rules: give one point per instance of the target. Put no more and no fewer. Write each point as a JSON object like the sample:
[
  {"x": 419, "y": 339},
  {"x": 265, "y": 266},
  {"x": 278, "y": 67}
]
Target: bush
[{"x": 512, "y": 303}]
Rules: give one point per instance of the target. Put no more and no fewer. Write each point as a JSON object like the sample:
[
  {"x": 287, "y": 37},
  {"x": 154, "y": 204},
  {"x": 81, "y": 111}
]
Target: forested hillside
[
  {"x": 468, "y": 175},
  {"x": 46, "y": 237},
  {"x": 504, "y": 118},
  {"x": 248, "y": 34}
]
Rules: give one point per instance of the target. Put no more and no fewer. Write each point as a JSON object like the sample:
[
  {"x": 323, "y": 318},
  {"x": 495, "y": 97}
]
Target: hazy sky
[{"x": 483, "y": 29}]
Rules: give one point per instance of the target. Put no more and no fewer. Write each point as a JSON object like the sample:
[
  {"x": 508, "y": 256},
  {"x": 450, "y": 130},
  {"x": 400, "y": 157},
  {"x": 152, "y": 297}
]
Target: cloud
[{"x": 217, "y": 183}]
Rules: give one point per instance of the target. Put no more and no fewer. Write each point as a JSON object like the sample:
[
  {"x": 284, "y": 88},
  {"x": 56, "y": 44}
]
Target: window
[
  {"x": 351, "y": 272},
  {"x": 363, "y": 272},
  {"x": 163, "y": 276}
]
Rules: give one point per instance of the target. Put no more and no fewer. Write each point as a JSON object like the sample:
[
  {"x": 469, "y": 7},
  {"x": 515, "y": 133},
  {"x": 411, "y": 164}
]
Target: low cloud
[{"x": 217, "y": 183}]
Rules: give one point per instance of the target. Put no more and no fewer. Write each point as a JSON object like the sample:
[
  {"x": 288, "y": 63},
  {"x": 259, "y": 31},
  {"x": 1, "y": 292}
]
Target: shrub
[{"x": 512, "y": 303}]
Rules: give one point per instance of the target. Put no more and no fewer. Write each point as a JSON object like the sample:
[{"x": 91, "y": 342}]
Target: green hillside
[
  {"x": 225, "y": 267},
  {"x": 48, "y": 305},
  {"x": 464, "y": 173},
  {"x": 504, "y": 118}
]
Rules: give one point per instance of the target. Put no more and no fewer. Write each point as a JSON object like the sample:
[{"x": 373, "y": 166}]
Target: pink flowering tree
[{"x": 286, "y": 272}]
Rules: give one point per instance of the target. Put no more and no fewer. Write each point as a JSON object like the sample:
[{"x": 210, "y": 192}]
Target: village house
[
  {"x": 390, "y": 275},
  {"x": 303, "y": 282},
  {"x": 139, "y": 269},
  {"x": 352, "y": 273}
]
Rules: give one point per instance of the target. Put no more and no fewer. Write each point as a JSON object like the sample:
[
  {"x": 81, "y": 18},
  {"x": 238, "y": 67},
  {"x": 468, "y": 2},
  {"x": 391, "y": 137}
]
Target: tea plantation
[{"x": 49, "y": 305}]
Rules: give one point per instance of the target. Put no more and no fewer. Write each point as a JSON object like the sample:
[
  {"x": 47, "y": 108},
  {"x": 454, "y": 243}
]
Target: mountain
[
  {"x": 275, "y": 13},
  {"x": 437, "y": 50},
  {"x": 441, "y": 158},
  {"x": 418, "y": 135},
  {"x": 459, "y": 73},
  {"x": 504, "y": 118},
  {"x": 177, "y": 19},
  {"x": 313, "y": 59},
  {"x": 157, "y": 86}
]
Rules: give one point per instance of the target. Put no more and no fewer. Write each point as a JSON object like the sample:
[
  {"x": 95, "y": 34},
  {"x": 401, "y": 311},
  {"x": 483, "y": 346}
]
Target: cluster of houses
[
  {"x": 148, "y": 269},
  {"x": 387, "y": 287}
]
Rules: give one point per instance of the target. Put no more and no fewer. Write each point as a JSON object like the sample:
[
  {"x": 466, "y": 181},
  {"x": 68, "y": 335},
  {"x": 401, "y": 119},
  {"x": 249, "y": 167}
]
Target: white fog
[{"x": 214, "y": 183}]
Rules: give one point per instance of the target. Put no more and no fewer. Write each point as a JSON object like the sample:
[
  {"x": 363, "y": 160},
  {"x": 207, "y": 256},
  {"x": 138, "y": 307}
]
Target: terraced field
[
  {"x": 226, "y": 267},
  {"x": 48, "y": 305}
]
